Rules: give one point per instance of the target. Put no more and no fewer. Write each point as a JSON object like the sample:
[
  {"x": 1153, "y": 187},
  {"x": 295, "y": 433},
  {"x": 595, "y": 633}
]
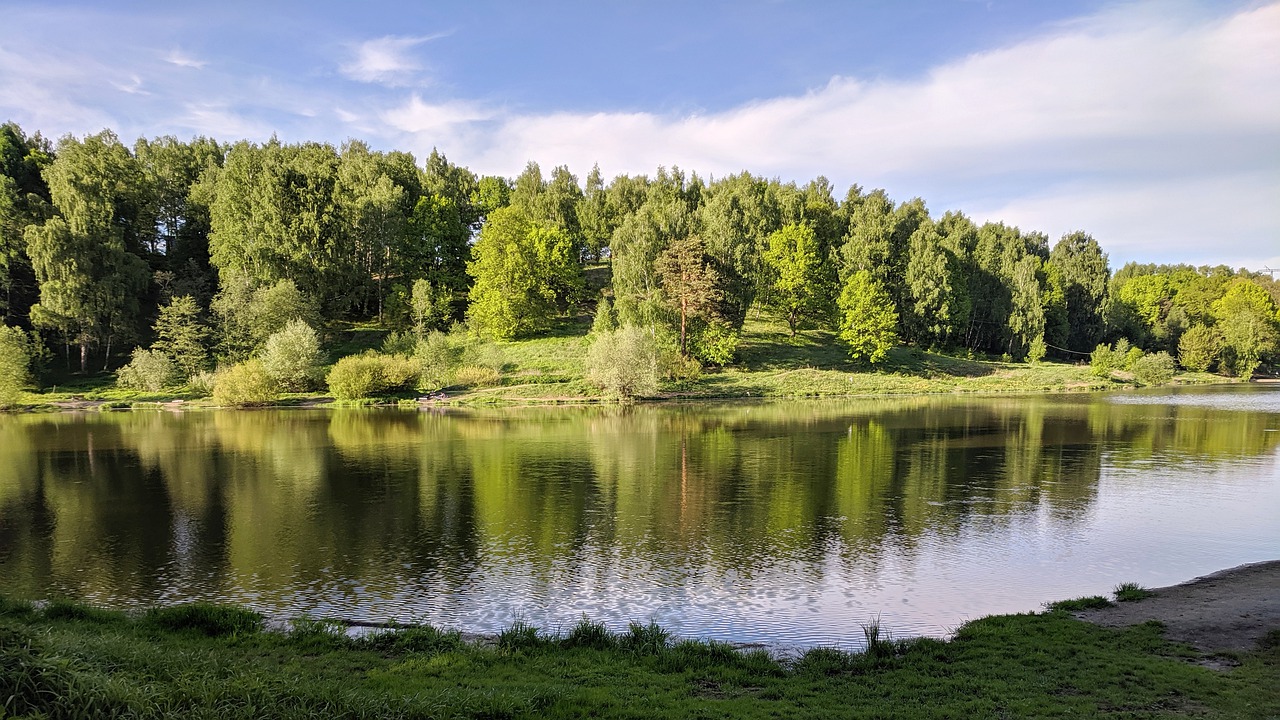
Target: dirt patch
[{"x": 1227, "y": 611}]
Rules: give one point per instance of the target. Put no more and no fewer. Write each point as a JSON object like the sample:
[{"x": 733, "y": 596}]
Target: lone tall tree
[{"x": 688, "y": 282}]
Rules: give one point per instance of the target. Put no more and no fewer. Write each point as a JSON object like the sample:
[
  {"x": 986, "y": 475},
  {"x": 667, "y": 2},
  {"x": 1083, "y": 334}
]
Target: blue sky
[{"x": 1153, "y": 125}]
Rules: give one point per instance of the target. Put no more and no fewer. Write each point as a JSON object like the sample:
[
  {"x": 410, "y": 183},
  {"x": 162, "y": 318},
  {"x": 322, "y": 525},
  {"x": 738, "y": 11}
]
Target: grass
[
  {"x": 1131, "y": 592},
  {"x": 61, "y": 662},
  {"x": 769, "y": 364}
]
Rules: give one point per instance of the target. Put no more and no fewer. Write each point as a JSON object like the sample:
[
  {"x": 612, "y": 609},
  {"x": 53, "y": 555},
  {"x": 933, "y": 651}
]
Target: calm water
[{"x": 788, "y": 523}]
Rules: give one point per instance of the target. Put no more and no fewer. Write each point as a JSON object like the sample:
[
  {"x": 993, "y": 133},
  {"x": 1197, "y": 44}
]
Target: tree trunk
[
  {"x": 684, "y": 311},
  {"x": 84, "y": 356}
]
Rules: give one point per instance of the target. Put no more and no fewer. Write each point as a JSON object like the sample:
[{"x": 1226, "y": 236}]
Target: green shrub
[
  {"x": 1199, "y": 348},
  {"x": 605, "y": 319},
  {"x": 399, "y": 343},
  {"x": 476, "y": 376},
  {"x": 15, "y": 362},
  {"x": 1036, "y": 351},
  {"x": 716, "y": 343},
  {"x": 292, "y": 356},
  {"x": 1102, "y": 361},
  {"x": 1131, "y": 357},
  {"x": 202, "y": 383},
  {"x": 1154, "y": 369},
  {"x": 149, "y": 370},
  {"x": 625, "y": 362},
  {"x": 370, "y": 375},
  {"x": 244, "y": 384},
  {"x": 181, "y": 335},
  {"x": 437, "y": 357}
]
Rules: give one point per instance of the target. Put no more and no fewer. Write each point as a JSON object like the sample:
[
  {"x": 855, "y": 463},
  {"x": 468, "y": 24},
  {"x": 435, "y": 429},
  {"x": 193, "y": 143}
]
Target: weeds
[
  {"x": 520, "y": 636},
  {"x": 206, "y": 619},
  {"x": 589, "y": 634},
  {"x": 648, "y": 639},
  {"x": 1093, "y": 602}
]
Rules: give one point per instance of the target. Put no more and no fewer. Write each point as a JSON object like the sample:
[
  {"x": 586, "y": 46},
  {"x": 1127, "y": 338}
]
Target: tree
[
  {"x": 182, "y": 336},
  {"x": 24, "y": 200},
  {"x": 868, "y": 322},
  {"x": 428, "y": 308},
  {"x": 937, "y": 299},
  {"x": 799, "y": 287},
  {"x": 1085, "y": 274},
  {"x": 624, "y": 362},
  {"x": 1247, "y": 319},
  {"x": 521, "y": 269},
  {"x": 249, "y": 315},
  {"x": 90, "y": 282},
  {"x": 1199, "y": 348},
  {"x": 689, "y": 284},
  {"x": 15, "y": 361}
]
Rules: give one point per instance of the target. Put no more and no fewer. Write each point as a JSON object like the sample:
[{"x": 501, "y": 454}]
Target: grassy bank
[
  {"x": 67, "y": 660},
  {"x": 769, "y": 364}
]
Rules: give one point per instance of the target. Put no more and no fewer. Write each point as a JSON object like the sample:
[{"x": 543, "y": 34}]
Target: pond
[{"x": 789, "y": 523}]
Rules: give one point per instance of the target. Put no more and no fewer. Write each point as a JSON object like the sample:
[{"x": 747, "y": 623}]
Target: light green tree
[
  {"x": 1247, "y": 320},
  {"x": 15, "y": 361},
  {"x": 868, "y": 323},
  {"x": 799, "y": 286},
  {"x": 1199, "y": 348},
  {"x": 292, "y": 356}
]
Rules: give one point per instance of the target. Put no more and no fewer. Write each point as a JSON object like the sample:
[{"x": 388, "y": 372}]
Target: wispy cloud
[
  {"x": 387, "y": 60},
  {"x": 182, "y": 59}
]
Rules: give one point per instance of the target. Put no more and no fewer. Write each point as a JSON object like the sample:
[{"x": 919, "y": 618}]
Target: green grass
[
  {"x": 91, "y": 663},
  {"x": 1131, "y": 592}
]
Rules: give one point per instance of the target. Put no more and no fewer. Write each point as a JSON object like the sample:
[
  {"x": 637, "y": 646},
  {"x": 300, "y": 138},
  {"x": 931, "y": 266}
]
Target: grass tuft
[
  {"x": 61, "y": 609},
  {"x": 424, "y": 640},
  {"x": 1131, "y": 592},
  {"x": 588, "y": 634},
  {"x": 648, "y": 639},
  {"x": 1092, "y": 602},
  {"x": 207, "y": 619},
  {"x": 520, "y": 636}
]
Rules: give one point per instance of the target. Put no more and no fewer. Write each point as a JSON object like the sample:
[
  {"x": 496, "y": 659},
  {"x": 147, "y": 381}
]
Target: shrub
[
  {"x": 1131, "y": 357},
  {"x": 605, "y": 320},
  {"x": 181, "y": 336},
  {"x": 148, "y": 370},
  {"x": 244, "y": 384},
  {"x": 476, "y": 376},
  {"x": 1036, "y": 351},
  {"x": 1155, "y": 369},
  {"x": 485, "y": 354},
  {"x": 370, "y": 374},
  {"x": 1199, "y": 348},
  {"x": 202, "y": 383},
  {"x": 1102, "y": 361},
  {"x": 291, "y": 356},
  {"x": 15, "y": 361},
  {"x": 399, "y": 343},
  {"x": 437, "y": 358},
  {"x": 625, "y": 362},
  {"x": 716, "y": 344}
]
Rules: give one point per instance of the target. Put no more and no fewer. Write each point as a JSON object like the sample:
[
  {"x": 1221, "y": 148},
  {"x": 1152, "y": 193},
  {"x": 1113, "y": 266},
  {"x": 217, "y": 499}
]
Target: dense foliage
[{"x": 202, "y": 251}]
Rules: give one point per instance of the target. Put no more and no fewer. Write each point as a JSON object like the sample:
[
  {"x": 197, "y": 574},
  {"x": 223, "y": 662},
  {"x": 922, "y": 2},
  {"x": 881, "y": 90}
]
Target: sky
[{"x": 1153, "y": 126}]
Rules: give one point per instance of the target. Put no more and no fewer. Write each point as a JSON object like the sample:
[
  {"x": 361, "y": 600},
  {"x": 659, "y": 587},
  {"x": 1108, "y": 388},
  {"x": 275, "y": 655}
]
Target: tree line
[{"x": 214, "y": 247}]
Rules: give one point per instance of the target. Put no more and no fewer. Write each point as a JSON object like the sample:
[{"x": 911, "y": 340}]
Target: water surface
[{"x": 784, "y": 523}]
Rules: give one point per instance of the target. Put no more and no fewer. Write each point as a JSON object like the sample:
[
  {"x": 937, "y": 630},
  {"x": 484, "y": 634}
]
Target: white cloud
[
  {"x": 1151, "y": 110},
  {"x": 181, "y": 59},
  {"x": 387, "y": 60}
]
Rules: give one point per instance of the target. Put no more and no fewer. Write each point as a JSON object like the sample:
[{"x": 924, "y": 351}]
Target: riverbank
[{"x": 67, "y": 659}]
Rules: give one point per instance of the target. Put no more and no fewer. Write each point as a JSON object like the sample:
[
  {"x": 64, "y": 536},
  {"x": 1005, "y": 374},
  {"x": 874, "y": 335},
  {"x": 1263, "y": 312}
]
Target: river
[{"x": 787, "y": 523}]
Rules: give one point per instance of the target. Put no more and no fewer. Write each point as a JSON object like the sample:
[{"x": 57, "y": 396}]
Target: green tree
[
  {"x": 90, "y": 282},
  {"x": 182, "y": 336},
  {"x": 937, "y": 294},
  {"x": 149, "y": 370},
  {"x": 24, "y": 200},
  {"x": 689, "y": 283},
  {"x": 1199, "y": 347},
  {"x": 624, "y": 362},
  {"x": 1085, "y": 274},
  {"x": 799, "y": 285},
  {"x": 249, "y": 315},
  {"x": 15, "y": 362},
  {"x": 429, "y": 308},
  {"x": 868, "y": 322},
  {"x": 1247, "y": 320},
  {"x": 520, "y": 270}
]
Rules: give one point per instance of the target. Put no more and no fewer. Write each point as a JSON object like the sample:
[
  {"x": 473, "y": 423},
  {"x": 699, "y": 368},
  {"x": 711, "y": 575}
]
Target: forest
[{"x": 231, "y": 270}]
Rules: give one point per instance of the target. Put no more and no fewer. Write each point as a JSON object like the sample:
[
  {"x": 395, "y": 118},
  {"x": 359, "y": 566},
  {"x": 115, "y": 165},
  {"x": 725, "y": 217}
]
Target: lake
[{"x": 788, "y": 523}]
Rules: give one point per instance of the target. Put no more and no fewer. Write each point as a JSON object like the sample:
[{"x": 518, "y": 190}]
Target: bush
[
  {"x": 1131, "y": 357},
  {"x": 202, "y": 383},
  {"x": 1154, "y": 369},
  {"x": 399, "y": 343},
  {"x": 149, "y": 370},
  {"x": 625, "y": 362},
  {"x": 1103, "y": 360},
  {"x": 1199, "y": 348},
  {"x": 605, "y": 319},
  {"x": 437, "y": 358},
  {"x": 716, "y": 344},
  {"x": 369, "y": 375},
  {"x": 292, "y": 356},
  {"x": 1036, "y": 351},
  {"x": 244, "y": 384},
  {"x": 15, "y": 361},
  {"x": 476, "y": 376}
]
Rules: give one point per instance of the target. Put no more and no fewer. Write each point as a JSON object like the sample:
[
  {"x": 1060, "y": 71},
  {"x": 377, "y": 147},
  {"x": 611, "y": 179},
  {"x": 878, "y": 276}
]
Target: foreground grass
[
  {"x": 68, "y": 660},
  {"x": 769, "y": 364}
]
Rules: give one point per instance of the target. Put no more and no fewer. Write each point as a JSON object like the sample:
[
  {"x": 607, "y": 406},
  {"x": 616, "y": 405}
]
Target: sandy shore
[{"x": 1230, "y": 610}]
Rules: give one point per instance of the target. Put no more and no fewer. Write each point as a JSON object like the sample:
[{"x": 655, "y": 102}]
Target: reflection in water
[{"x": 787, "y": 522}]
